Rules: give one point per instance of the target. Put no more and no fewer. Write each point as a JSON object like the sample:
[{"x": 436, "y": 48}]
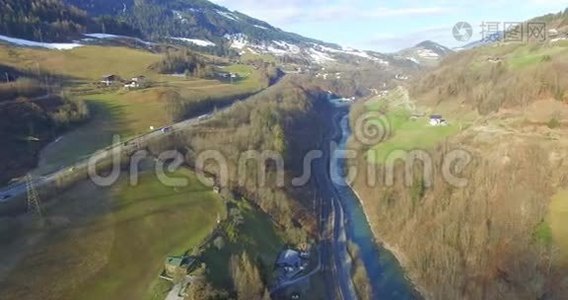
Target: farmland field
[
  {"x": 110, "y": 242},
  {"x": 407, "y": 135},
  {"x": 116, "y": 110}
]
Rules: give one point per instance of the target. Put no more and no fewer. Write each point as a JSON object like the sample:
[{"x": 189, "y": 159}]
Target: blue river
[{"x": 385, "y": 273}]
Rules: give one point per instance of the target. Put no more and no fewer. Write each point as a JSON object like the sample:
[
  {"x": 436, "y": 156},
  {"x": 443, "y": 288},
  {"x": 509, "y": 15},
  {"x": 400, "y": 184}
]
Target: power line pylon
[{"x": 33, "y": 198}]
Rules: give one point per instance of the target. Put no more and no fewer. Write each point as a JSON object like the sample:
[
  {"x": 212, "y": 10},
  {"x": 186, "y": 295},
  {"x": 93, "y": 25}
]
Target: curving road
[{"x": 12, "y": 192}]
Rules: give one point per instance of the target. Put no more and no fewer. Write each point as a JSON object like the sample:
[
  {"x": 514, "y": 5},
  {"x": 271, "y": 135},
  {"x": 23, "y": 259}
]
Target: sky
[{"x": 389, "y": 26}]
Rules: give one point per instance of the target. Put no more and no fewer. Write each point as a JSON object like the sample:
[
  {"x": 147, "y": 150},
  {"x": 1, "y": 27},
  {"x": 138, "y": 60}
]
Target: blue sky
[{"x": 386, "y": 25}]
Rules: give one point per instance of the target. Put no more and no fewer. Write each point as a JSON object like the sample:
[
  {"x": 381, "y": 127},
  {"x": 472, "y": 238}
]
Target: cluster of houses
[{"x": 133, "y": 83}]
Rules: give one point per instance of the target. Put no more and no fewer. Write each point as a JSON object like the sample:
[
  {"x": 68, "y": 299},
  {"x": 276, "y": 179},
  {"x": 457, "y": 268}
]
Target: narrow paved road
[
  {"x": 9, "y": 192},
  {"x": 18, "y": 189}
]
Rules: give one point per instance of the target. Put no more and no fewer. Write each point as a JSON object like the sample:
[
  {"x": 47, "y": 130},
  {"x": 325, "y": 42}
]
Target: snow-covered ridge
[
  {"x": 198, "y": 42},
  {"x": 316, "y": 52},
  {"x": 241, "y": 42},
  {"x": 28, "y": 43},
  {"x": 352, "y": 52}
]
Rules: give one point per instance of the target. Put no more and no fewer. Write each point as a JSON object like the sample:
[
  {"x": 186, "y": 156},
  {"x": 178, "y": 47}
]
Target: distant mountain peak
[
  {"x": 436, "y": 47},
  {"x": 426, "y": 52},
  {"x": 426, "y": 43}
]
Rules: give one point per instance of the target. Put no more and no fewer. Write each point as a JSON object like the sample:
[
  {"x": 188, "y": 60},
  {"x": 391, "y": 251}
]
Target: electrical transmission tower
[{"x": 33, "y": 198}]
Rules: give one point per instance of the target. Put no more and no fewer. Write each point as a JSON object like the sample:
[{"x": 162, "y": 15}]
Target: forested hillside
[
  {"x": 282, "y": 119},
  {"x": 499, "y": 233},
  {"x": 41, "y": 19},
  {"x": 51, "y": 20},
  {"x": 185, "y": 18}
]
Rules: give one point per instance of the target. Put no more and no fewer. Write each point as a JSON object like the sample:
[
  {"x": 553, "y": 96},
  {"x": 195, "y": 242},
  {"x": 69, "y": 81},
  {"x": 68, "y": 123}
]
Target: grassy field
[
  {"x": 258, "y": 236},
  {"x": 559, "y": 221},
  {"x": 111, "y": 243},
  {"x": 117, "y": 111},
  {"x": 525, "y": 56},
  {"x": 249, "y": 56},
  {"x": 407, "y": 135},
  {"x": 87, "y": 63},
  {"x": 84, "y": 140}
]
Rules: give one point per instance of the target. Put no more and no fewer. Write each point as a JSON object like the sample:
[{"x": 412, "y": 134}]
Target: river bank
[
  {"x": 400, "y": 256},
  {"x": 383, "y": 266}
]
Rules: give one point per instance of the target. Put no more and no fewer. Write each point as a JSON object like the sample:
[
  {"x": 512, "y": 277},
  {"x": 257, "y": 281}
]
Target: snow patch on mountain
[
  {"x": 414, "y": 60},
  {"x": 313, "y": 51},
  {"x": 179, "y": 16},
  {"x": 320, "y": 57},
  {"x": 261, "y": 27},
  {"x": 114, "y": 36},
  {"x": 363, "y": 54},
  {"x": 326, "y": 49},
  {"x": 198, "y": 42},
  {"x": 28, "y": 43},
  {"x": 427, "y": 53},
  {"x": 227, "y": 15},
  {"x": 289, "y": 48},
  {"x": 352, "y": 52},
  {"x": 237, "y": 41}
]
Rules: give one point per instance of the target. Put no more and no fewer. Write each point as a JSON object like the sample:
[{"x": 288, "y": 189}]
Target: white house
[
  {"x": 109, "y": 79},
  {"x": 132, "y": 85},
  {"x": 437, "y": 120}
]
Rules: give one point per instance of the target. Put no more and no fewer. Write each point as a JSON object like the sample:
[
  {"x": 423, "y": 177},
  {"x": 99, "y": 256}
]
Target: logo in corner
[{"x": 462, "y": 31}]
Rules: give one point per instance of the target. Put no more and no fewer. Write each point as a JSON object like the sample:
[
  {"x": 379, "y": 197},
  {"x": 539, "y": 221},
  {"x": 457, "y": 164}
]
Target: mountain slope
[
  {"x": 427, "y": 52},
  {"x": 197, "y": 19},
  {"x": 52, "y": 20},
  {"x": 199, "y": 24},
  {"x": 483, "y": 214},
  {"x": 555, "y": 23}
]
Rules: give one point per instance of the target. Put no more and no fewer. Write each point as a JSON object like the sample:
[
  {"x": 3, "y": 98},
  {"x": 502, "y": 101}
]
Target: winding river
[{"x": 387, "y": 278}]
